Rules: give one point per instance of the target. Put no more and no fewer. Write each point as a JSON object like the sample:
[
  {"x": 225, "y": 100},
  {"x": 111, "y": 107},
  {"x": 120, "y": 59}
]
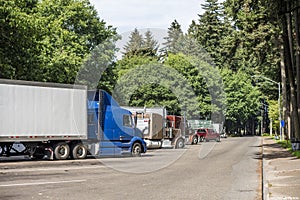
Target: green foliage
[
  {"x": 139, "y": 46},
  {"x": 243, "y": 99},
  {"x": 155, "y": 74},
  {"x": 48, "y": 40},
  {"x": 154, "y": 95},
  {"x": 257, "y": 36},
  {"x": 18, "y": 41},
  {"x": 274, "y": 114},
  {"x": 72, "y": 31},
  {"x": 196, "y": 80},
  {"x": 174, "y": 34},
  {"x": 210, "y": 30},
  {"x": 98, "y": 70},
  {"x": 150, "y": 45},
  {"x": 288, "y": 145}
]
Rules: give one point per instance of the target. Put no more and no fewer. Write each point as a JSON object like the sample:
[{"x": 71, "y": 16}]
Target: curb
[{"x": 265, "y": 189}]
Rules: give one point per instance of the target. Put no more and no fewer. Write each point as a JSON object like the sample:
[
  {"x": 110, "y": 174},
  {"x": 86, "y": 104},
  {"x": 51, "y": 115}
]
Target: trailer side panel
[{"x": 33, "y": 112}]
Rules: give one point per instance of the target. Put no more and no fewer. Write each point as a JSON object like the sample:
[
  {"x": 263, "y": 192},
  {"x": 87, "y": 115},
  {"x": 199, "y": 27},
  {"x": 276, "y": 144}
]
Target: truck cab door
[
  {"x": 92, "y": 126},
  {"x": 127, "y": 128}
]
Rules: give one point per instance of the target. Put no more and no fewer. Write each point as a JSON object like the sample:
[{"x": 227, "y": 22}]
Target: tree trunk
[
  {"x": 297, "y": 21},
  {"x": 286, "y": 24},
  {"x": 284, "y": 89}
]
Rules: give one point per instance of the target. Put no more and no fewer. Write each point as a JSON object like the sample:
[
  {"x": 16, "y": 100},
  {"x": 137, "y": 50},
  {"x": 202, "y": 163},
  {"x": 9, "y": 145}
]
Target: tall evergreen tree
[
  {"x": 174, "y": 34},
  {"x": 135, "y": 43},
  {"x": 150, "y": 44},
  {"x": 140, "y": 46},
  {"x": 208, "y": 30}
]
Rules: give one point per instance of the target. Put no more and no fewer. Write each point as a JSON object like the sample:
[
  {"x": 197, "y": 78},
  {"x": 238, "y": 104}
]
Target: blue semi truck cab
[{"x": 112, "y": 126}]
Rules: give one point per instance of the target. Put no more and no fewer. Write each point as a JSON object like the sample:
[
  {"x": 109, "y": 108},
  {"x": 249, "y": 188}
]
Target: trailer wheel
[
  {"x": 1, "y": 150},
  {"x": 79, "y": 151},
  {"x": 179, "y": 143},
  {"x": 195, "y": 140},
  {"x": 61, "y": 151},
  {"x": 136, "y": 149}
]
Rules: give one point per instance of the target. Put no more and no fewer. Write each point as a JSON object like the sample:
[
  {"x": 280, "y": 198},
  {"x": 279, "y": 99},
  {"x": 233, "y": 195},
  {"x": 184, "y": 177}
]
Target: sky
[{"x": 126, "y": 15}]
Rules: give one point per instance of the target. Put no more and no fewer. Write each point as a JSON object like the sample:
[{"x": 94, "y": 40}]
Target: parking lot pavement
[
  {"x": 212, "y": 170},
  {"x": 281, "y": 172}
]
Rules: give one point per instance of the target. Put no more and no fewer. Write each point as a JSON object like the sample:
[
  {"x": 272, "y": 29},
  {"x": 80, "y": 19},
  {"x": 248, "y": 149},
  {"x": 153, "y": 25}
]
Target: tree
[
  {"x": 19, "y": 32},
  {"x": 150, "y": 44},
  {"x": 257, "y": 35},
  {"x": 273, "y": 114},
  {"x": 139, "y": 46},
  {"x": 182, "y": 64},
  {"x": 242, "y": 99},
  {"x": 174, "y": 34},
  {"x": 134, "y": 44},
  {"x": 209, "y": 29},
  {"x": 98, "y": 70},
  {"x": 155, "y": 95},
  {"x": 72, "y": 30},
  {"x": 48, "y": 40}
]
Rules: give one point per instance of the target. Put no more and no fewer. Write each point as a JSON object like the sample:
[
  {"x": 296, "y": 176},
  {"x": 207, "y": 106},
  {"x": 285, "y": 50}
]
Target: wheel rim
[
  {"x": 136, "y": 149},
  {"x": 195, "y": 140},
  {"x": 180, "y": 144},
  {"x": 62, "y": 150},
  {"x": 80, "y": 152}
]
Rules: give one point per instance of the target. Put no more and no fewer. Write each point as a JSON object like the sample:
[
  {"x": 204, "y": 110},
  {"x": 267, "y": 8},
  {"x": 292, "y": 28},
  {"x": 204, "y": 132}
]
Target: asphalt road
[{"x": 226, "y": 170}]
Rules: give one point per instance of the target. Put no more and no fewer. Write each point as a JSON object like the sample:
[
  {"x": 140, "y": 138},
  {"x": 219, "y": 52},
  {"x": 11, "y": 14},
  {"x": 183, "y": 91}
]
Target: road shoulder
[{"x": 281, "y": 172}]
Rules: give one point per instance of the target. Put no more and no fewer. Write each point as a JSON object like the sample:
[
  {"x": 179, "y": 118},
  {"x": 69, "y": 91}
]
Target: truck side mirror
[{"x": 135, "y": 120}]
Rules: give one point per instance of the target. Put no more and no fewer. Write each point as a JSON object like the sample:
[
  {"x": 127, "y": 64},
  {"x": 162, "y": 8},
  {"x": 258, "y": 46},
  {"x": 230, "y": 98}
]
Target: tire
[
  {"x": 195, "y": 140},
  {"x": 179, "y": 144},
  {"x": 79, "y": 151},
  {"x": 201, "y": 139},
  {"x": 136, "y": 149},
  {"x": 218, "y": 139},
  {"x": 61, "y": 151}
]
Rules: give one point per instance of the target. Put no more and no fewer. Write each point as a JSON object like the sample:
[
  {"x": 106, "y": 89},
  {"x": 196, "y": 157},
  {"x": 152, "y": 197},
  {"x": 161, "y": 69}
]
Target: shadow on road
[{"x": 273, "y": 150}]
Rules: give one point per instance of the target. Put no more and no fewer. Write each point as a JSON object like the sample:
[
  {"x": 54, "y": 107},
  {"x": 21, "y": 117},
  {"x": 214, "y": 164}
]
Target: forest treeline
[{"x": 232, "y": 57}]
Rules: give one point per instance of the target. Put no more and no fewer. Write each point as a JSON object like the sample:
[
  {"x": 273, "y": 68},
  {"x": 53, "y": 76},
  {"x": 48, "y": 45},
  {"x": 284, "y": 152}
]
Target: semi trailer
[{"x": 64, "y": 121}]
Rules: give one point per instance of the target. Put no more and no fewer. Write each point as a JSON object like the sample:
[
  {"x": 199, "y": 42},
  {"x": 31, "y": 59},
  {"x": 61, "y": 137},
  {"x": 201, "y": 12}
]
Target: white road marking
[
  {"x": 41, "y": 183},
  {"x": 3, "y": 171}
]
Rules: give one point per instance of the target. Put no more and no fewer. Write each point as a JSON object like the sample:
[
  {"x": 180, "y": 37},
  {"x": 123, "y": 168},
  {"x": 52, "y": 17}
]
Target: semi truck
[
  {"x": 159, "y": 129},
  {"x": 64, "y": 121}
]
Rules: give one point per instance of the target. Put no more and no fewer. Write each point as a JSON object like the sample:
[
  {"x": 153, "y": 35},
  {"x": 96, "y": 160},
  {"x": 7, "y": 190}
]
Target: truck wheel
[
  {"x": 61, "y": 151},
  {"x": 179, "y": 143},
  {"x": 201, "y": 139},
  {"x": 195, "y": 140},
  {"x": 136, "y": 149},
  {"x": 79, "y": 151}
]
